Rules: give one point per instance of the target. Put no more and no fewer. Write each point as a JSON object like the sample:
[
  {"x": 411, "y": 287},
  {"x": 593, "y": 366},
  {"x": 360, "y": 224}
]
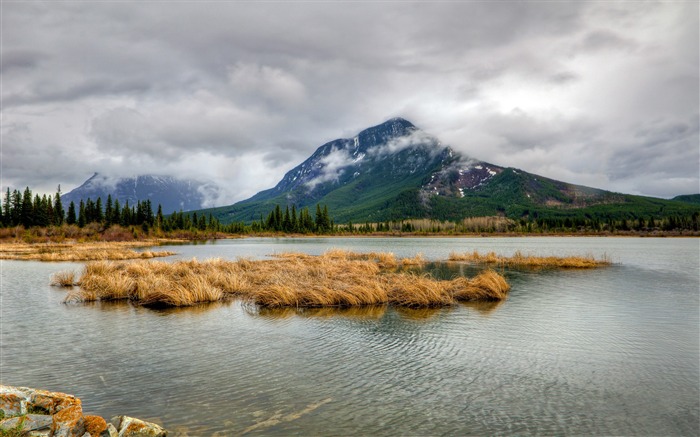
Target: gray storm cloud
[{"x": 597, "y": 93}]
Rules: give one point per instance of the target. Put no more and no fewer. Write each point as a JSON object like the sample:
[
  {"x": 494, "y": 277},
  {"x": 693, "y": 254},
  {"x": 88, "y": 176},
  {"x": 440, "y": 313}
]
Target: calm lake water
[{"x": 613, "y": 351}]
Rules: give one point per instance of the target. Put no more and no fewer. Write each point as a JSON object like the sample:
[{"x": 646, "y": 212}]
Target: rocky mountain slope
[{"x": 173, "y": 194}]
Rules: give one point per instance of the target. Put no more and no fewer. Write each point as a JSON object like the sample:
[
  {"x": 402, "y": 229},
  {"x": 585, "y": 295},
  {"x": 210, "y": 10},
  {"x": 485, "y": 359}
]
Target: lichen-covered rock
[
  {"x": 111, "y": 431},
  {"x": 132, "y": 427},
  {"x": 13, "y": 400},
  {"x": 52, "y": 402},
  {"x": 95, "y": 425},
  {"x": 30, "y": 422},
  {"x": 62, "y": 416},
  {"x": 68, "y": 422}
]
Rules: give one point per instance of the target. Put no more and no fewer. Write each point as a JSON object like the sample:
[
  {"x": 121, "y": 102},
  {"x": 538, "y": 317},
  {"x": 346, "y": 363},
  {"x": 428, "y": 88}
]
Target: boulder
[
  {"x": 95, "y": 425},
  {"x": 111, "y": 431},
  {"x": 68, "y": 422},
  {"x": 52, "y": 402},
  {"x": 132, "y": 427},
  {"x": 13, "y": 400},
  {"x": 30, "y": 422}
]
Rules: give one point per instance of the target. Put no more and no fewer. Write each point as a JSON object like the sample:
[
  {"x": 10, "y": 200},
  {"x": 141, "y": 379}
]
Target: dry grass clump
[
  {"x": 78, "y": 251},
  {"x": 291, "y": 280},
  {"x": 64, "y": 278},
  {"x": 531, "y": 261}
]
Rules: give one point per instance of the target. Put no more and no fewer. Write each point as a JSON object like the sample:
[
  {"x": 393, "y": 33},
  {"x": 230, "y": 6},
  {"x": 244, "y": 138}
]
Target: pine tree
[
  {"x": 48, "y": 205},
  {"x": 99, "y": 216},
  {"x": 7, "y": 209},
  {"x": 26, "y": 211},
  {"x": 319, "y": 218},
  {"x": 58, "y": 212},
  {"x": 109, "y": 211},
  {"x": 16, "y": 207},
  {"x": 287, "y": 221},
  {"x": 82, "y": 219},
  {"x": 159, "y": 217},
  {"x": 148, "y": 210},
  {"x": 278, "y": 218},
  {"x": 295, "y": 222},
  {"x": 116, "y": 213},
  {"x": 38, "y": 212},
  {"x": 71, "y": 219}
]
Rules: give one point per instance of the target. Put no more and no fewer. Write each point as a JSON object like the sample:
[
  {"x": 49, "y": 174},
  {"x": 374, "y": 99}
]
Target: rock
[
  {"x": 111, "y": 431},
  {"x": 52, "y": 402},
  {"x": 68, "y": 422},
  {"x": 64, "y": 416},
  {"x": 30, "y": 422},
  {"x": 132, "y": 427},
  {"x": 13, "y": 400},
  {"x": 95, "y": 425}
]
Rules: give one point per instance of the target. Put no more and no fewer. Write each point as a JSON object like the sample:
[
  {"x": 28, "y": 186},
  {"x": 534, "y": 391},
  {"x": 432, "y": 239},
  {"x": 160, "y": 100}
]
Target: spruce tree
[
  {"x": 98, "y": 217},
  {"x": 26, "y": 211},
  {"x": 58, "y": 212},
  {"x": 116, "y": 213},
  {"x": 82, "y": 220},
  {"x": 71, "y": 219},
  {"x": 16, "y": 207},
  {"x": 109, "y": 211},
  {"x": 287, "y": 221},
  {"x": 7, "y": 209},
  {"x": 38, "y": 212}
]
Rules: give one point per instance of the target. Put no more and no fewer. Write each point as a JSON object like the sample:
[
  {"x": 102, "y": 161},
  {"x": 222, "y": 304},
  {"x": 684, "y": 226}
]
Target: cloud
[
  {"x": 332, "y": 166},
  {"x": 276, "y": 86},
  {"x": 597, "y": 92},
  {"x": 414, "y": 139}
]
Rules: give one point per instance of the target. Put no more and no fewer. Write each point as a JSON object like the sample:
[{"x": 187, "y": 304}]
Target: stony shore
[{"x": 41, "y": 413}]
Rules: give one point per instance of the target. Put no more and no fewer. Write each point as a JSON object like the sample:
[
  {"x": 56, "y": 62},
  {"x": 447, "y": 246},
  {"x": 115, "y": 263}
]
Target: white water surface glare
[{"x": 612, "y": 351}]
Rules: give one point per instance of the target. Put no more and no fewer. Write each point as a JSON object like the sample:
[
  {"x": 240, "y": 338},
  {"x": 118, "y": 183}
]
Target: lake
[{"x": 613, "y": 351}]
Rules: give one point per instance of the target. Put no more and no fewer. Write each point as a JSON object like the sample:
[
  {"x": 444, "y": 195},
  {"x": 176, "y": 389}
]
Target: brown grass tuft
[
  {"x": 335, "y": 279},
  {"x": 64, "y": 278},
  {"x": 531, "y": 261},
  {"x": 78, "y": 251},
  {"x": 487, "y": 285}
]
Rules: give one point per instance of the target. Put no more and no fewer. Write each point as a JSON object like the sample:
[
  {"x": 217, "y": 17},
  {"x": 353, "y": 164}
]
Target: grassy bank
[
  {"x": 531, "y": 261},
  {"x": 335, "y": 279},
  {"x": 85, "y": 251}
]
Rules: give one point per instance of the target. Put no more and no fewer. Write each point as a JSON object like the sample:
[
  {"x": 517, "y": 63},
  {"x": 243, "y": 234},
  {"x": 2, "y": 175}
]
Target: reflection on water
[
  {"x": 483, "y": 307},
  {"x": 418, "y": 314},
  {"x": 359, "y": 312},
  {"x": 614, "y": 351}
]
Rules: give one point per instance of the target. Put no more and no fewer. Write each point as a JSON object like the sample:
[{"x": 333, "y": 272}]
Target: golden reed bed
[
  {"x": 530, "y": 261},
  {"x": 334, "y": 279},
  {"x": 79, "y": 251}
]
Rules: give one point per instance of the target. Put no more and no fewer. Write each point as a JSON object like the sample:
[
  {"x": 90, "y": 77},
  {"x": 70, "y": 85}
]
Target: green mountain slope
[{"x": 688, "y": 198}]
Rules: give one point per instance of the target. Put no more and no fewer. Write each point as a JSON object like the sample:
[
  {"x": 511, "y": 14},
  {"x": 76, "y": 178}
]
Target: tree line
[
  {"x": 32, "y": 210},
  {"x": 27, "y": 210}
]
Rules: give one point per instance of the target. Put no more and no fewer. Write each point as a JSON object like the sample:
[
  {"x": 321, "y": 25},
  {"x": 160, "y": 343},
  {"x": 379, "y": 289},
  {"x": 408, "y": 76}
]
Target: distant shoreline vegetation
[{"x": 34, "y": 218}]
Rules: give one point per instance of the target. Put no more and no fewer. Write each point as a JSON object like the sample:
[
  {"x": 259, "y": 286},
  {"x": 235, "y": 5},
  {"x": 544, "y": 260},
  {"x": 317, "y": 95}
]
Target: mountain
[
  {"x": 688, "y": 198},
  {"x": 395, "y": 171},
  {"x": 173, "y": 194}
]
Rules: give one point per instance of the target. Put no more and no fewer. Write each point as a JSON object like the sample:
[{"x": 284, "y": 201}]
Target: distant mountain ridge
[{"x": 173, "y": 194}]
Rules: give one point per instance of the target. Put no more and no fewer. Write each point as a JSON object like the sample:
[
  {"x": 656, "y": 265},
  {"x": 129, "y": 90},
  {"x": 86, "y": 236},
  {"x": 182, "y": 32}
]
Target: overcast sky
[{"x": 598, "y": 93}]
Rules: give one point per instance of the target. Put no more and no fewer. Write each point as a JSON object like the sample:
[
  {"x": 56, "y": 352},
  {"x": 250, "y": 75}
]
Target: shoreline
[{"x": 95, "y": 250}]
